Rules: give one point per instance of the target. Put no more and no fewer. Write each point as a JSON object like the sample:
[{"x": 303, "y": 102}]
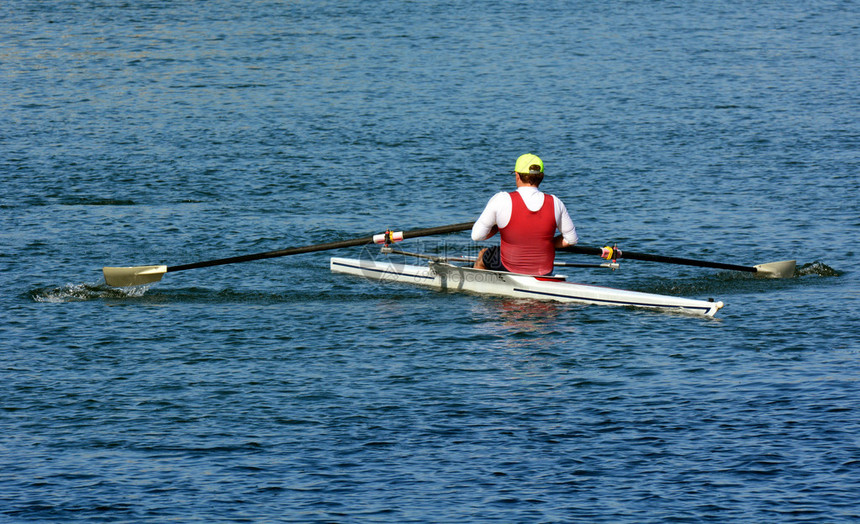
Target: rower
[{"x": 527, "y": 220}]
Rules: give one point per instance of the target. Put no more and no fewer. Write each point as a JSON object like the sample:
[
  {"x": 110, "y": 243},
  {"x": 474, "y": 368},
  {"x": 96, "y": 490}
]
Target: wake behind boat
[{"x": 446, "y": 276}]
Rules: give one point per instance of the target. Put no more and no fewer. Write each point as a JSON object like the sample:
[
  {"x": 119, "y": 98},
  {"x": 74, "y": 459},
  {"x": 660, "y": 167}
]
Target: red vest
[{"x": 527, "y": 240}]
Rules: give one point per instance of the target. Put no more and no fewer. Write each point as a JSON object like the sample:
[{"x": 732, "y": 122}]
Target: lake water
[{"x": 275, "y": 391}]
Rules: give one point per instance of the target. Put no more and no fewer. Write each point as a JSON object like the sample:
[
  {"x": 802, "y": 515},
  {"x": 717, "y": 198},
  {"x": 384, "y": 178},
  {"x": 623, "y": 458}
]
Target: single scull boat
[
  {"x": 440, "y": 273},
  {"x": 443, "y": 275}
]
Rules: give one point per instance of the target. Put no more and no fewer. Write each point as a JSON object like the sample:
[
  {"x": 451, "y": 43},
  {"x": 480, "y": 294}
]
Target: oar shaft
[
  {"x": 585, "y": 250},
  {"x": 273, "y": 254},
  {"x": 439, "y": 230}
]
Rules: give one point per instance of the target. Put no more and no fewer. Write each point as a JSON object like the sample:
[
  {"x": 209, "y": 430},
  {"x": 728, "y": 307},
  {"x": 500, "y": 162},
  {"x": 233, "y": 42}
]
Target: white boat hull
[{"x": 444, "y": 276}]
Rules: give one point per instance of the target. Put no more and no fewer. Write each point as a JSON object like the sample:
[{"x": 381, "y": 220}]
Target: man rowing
[{"x": 527, "y": 220}]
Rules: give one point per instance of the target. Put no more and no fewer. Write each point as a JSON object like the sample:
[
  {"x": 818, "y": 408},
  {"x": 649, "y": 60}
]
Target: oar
[
  {"x": 607, "y": 265},
  {"x": 137, "y": 275},
  {"x": 782, "y": 269}
]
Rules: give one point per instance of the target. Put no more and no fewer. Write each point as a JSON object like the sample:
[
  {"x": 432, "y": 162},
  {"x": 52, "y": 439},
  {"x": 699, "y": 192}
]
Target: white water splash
[
  {"x": 83, "y": 292},
  {"x": 817, "y": 268}
]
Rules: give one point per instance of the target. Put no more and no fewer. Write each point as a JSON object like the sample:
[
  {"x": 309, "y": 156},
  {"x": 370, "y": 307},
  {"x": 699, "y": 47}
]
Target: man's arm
[
  {"x": 565, "y": 225},
  {"x": 486, "y": 225}
]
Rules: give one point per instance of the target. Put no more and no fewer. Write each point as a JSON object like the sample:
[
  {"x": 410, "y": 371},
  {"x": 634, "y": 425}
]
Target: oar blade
[
  {"x": 781, "y": 269},
  {"x": 133, "y": 276}
]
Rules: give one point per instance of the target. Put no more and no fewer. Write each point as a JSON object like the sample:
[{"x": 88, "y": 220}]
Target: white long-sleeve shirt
[{"x": 498, "y": 213}]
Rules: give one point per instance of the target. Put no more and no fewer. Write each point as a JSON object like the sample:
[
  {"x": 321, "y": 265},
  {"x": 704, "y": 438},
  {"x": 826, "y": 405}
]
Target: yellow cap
[{"x": 529, "y": 164}]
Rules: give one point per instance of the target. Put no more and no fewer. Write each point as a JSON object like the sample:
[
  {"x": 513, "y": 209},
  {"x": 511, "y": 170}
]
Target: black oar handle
[
  {"x": 439, "y": 230},
  {"x": 585, "y": 250}
]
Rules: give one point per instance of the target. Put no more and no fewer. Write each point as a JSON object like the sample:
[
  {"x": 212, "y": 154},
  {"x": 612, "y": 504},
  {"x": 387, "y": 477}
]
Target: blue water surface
[{"x": 275, "y": 391}]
